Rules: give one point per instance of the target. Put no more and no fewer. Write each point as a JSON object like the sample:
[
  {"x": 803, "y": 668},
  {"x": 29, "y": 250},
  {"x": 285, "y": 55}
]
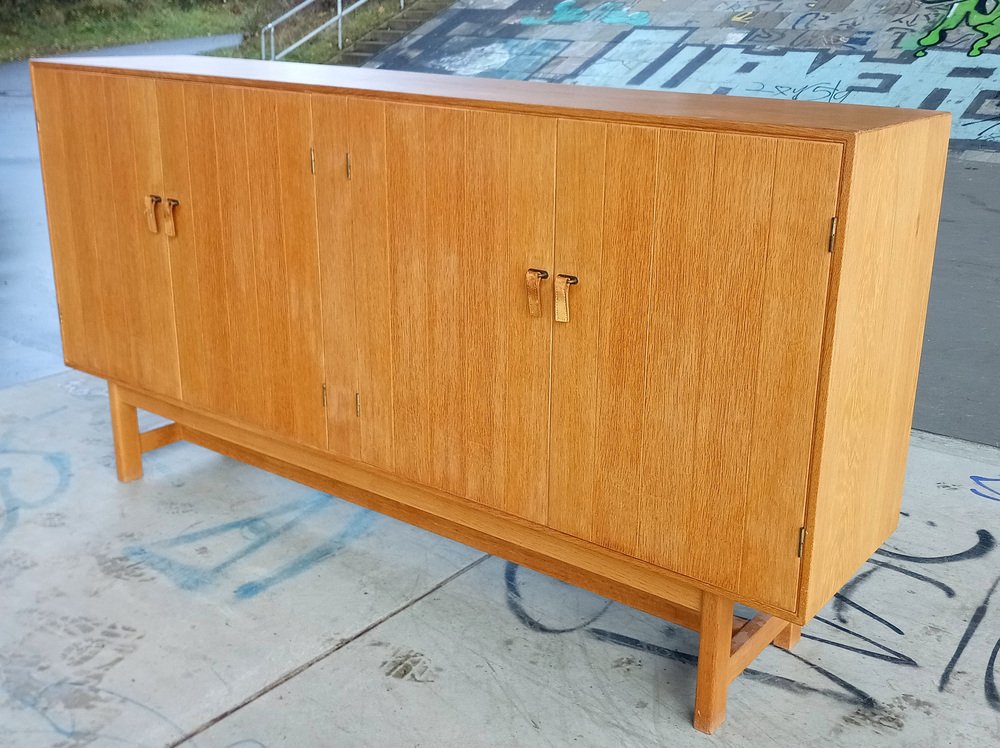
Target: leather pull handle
[
  {"x": 533, "y": 279},
  {"x": 150, "y": 203},
  {"x": 169, "y": 224},
  {"x": 563, "y": 282}
]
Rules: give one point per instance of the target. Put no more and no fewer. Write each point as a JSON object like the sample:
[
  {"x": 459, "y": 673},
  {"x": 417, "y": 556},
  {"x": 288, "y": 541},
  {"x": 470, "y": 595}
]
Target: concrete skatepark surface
[{"x": 213, "y": 605}]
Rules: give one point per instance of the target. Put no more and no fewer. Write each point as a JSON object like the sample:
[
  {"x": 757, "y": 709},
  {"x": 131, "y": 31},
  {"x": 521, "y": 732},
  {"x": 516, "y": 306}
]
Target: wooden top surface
[{"x": 627, "y": 105}]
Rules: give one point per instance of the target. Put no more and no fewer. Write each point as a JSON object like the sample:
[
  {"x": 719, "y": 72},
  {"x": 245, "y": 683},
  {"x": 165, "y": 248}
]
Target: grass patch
[
  {"x": 47, "y": 30},
  {"x": 323, "y": 49}
]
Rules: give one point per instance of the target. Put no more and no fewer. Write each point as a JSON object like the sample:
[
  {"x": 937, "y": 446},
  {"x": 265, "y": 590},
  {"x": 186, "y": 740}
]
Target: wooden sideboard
[{"x": 661, "y": 346}]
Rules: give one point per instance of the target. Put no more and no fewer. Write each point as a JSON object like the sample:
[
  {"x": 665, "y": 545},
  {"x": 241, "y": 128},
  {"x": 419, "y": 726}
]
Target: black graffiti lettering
[
  {"x": 970, "y": 630},
  {"x": 986, "y": 544}
]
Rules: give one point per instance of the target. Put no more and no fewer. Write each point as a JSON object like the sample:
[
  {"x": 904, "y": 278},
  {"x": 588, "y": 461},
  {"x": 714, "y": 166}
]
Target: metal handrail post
[{"x": 340, "y": 24}]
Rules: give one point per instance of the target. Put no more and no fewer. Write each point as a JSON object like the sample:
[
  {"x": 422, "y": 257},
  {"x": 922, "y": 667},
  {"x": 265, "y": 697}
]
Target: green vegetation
[
  {"x": 323, "y": 48},
  {"x": 38, "y": 27}
]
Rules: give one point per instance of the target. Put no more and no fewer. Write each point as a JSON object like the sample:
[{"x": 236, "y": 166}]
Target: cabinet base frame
[{"x": 728, "y": 643}]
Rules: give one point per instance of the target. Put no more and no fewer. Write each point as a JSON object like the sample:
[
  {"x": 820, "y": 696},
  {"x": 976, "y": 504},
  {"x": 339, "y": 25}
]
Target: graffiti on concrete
[
  {"x": 974, "y": 14},
  {"x": 208, "y": 556},
  {"x": 845, "y": 52},
  {"x": 837, "y": 628},
  {"x": 568, "y": 11}
]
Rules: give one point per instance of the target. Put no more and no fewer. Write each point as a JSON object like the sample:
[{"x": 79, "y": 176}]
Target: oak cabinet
[{"x": 661, "y": 346}]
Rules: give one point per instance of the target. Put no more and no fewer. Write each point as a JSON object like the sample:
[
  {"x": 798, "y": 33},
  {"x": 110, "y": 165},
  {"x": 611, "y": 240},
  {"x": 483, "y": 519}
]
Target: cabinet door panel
[
  {"x": 245, "y": 260},
  {"x": 331, "y": 125},
  {"x": 450, "y": 208},
  {"x": 692, "y": 363},
  {"x": 112, "y": 274}
]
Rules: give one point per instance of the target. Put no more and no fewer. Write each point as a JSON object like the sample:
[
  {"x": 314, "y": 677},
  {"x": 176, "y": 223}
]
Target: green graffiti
[{"x": 976, "y": 14}]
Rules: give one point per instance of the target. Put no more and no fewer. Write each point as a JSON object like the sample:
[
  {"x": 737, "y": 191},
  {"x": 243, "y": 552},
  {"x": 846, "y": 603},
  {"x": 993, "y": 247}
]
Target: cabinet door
[
  {"x": 684, "y": 385},
  {"x": 448, "y": 211},
  {"x": 99, "y": 140},
  {"x": 244, "y": 258}
]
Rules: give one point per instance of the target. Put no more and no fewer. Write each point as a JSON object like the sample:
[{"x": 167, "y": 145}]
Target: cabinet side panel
[
  {"x": 51, "y": 112},
  {"x": 873, "y": 350}
]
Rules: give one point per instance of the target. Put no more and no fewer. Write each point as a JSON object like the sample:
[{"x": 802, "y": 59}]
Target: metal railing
[{"x": 267, "y": 33}]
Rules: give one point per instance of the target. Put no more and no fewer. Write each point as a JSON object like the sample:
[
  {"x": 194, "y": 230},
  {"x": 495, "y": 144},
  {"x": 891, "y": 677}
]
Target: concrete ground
[{"x": 213, "y": 605}]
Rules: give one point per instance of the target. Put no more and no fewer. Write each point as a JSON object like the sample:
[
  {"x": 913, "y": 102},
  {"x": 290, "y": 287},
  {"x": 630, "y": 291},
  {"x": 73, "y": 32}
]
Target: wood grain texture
[
  {"x": 183, "y": 248},
  {"x": 304, "y": 370},
  {"x": 530, "y": 244},
  {"x": 406, "y": 211},
  {"x": 872, "y": 350},
  {"x": 331, "y": 126},
  {"x": 489, "y": 385},
  {"x": 792, "y": 315},
  {"x": 466, "y": 375},
  {"x": 278, "y": 127},
  {"x": 234, "y": 161},
  {"x": 200, "y": 217},
  {"x": 146, "y": 288},
  {"x": 576, "y": 562},
  {"x": 581, "y": 154},
  {"x": 730, "y": 113},
  {"x": 677, "y": 299},
  {"x": 714, "y": 641},
  {"x": 631, "y": 173},
  {"x": 373, "y": 289},
  {"x": 52, "y": 111},
  {"x": 453, "y": 288},
  {"x": 750, "y": 641},
  {"x": 125, "y": 430},
  {"x": 703, "y": 320},
  {"x": 707, "y": 324}
]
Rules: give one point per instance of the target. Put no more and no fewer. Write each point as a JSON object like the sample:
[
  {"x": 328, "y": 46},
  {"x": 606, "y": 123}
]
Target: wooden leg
[
  {"x": 713, "y": 662},
  {"x": 789, "y": 637},
  {"x": 125, "y": 428}
]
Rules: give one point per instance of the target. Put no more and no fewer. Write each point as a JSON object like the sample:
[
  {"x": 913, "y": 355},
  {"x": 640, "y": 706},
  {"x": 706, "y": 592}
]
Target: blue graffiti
[
  {"x": 567, "y": 11},
  {"x": 987, "y": 492},
  {"x": 12, "y": 502},
  {"x": 256, "y": 532}
]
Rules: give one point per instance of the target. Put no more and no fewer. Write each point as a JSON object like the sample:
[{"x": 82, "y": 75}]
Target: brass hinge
[
  {"x": 833, "y": 234},
  {"x": 347, "y": 163},
  {"x": 357, "y": 404},
  {"x": 802, "y": 541},
  {"x": 324, "y": 395},
  {"x": 312, "y": 160}
]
